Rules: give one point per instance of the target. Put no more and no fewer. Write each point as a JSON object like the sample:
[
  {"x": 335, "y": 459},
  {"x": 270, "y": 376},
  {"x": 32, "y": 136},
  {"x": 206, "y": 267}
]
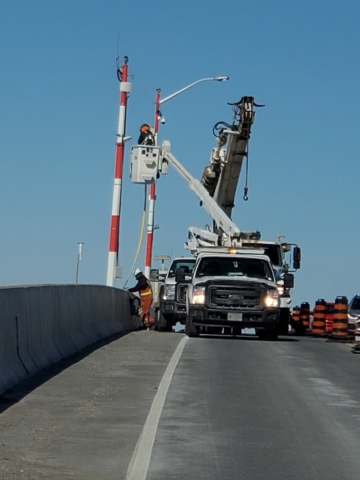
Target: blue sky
[{"x": 59, "y": 100}]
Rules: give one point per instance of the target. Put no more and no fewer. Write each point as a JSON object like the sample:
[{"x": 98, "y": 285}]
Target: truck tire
[
  {"x": 300, "y": 329},
  {"x": 268, "y": 334},
  {"x": 190, "y": 329},
  {"x": 284, "y": 321},
  {"x": 161, "y": 324}
]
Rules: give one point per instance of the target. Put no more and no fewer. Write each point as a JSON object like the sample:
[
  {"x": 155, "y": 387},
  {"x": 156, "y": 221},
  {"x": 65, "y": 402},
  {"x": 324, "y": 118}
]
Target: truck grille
[
  {"x": 233, "y": 298},
  {"x": 181, "y": 293}
]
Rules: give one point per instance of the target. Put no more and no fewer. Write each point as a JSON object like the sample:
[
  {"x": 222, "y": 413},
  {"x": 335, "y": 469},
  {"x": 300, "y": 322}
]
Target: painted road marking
[{"x": 140, "y": 461}]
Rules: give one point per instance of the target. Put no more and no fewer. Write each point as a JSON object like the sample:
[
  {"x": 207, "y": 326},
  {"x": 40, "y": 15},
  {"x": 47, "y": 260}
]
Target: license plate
[{"x": 235, "y": 317}]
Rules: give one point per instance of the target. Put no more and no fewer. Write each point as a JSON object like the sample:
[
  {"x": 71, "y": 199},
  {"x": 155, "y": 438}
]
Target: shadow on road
[
  {"x": 249, "y": 338},
  {"x": 17, "y": 393}
]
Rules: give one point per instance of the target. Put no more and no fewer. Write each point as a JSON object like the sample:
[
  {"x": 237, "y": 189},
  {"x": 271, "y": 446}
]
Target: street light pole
[
  {"x": 152, "y": 197},
  {"x": 80, "y": 245},
  {"x": 152, "y": 193}
]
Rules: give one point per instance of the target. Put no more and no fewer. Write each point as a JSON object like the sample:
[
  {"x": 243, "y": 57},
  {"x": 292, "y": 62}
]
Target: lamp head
[{"x": 221, "y": 79}]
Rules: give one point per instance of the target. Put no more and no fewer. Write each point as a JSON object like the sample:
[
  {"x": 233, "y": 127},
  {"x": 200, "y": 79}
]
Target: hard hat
[
  {"x": 144, "y": 127},
  {"x": 137, "y": 272}
]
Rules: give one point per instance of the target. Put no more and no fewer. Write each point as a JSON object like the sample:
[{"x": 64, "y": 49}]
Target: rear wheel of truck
[
  {"x": 284, "y": 321},
  {"x": 161, "y": 324},
  {"x": 267, "y": 334},
  {"x": 190, "y": 329}
]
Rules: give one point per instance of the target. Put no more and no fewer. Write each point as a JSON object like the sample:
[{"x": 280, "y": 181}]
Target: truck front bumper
[
  {"x": 203, "y": 316},
  {"x": 173, "y": 311}
]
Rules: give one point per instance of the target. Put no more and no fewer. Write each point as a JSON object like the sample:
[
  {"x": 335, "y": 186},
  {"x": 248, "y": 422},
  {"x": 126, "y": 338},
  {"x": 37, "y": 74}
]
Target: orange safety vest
[{"x": 147, "y": 290}]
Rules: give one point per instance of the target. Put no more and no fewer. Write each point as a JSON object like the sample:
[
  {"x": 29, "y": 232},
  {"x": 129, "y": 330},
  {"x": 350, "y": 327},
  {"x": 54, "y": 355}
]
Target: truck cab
[
  {"x": 173, "y": 293},
  {"x": 233, "y": 290}
]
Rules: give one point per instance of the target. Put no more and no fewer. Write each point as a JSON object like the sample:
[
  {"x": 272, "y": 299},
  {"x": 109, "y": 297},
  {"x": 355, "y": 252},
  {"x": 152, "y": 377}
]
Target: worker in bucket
[
  {"x": 146, "y": 136},
  {"x": 143, "y": 286}
]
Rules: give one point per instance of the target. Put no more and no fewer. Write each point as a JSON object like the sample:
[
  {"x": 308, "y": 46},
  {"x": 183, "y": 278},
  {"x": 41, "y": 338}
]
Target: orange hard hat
[{"x": 144, "y": 127}]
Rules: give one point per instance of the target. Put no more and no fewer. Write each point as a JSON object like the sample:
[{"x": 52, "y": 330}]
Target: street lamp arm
[
  {"x": 218, "y": 79},
  {"x": 152, "y": 196}
]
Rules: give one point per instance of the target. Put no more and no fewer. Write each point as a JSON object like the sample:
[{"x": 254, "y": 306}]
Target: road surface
[{"x": 159, "y": 406}]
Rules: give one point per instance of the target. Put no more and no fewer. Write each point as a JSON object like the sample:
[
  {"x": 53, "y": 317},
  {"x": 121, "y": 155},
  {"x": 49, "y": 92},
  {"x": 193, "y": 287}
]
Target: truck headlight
[
  {"x": 272, "y": 299},
  {"x": 169, "y": 292},
  {"x": 280, "y": 290},
  {"x": 198, "y": 296}
]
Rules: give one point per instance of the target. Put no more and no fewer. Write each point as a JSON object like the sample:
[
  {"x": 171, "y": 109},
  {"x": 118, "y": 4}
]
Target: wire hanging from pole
[{"x": 140, "y": 237}]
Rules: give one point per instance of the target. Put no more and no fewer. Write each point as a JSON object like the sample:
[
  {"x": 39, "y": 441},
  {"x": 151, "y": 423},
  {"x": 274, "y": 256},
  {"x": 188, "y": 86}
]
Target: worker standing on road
[
  {"x": 143, "y": 286},
  {"x": 146, "y": 136}
]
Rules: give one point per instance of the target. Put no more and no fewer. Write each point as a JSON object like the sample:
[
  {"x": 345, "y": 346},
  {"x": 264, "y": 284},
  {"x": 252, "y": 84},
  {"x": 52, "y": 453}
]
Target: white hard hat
[{"x": 137, "y": 272}]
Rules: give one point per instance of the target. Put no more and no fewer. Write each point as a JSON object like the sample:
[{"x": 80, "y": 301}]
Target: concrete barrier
[{"x": 42, "y": 324}]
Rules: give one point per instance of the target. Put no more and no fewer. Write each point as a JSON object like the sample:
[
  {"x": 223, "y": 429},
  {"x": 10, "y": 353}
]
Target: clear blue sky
[{"x": 59, "y": 100}]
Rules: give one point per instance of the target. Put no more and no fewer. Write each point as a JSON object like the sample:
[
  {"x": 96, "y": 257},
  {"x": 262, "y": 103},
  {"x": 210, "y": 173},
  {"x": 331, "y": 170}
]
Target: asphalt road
[{"x": 159, "y": 406}]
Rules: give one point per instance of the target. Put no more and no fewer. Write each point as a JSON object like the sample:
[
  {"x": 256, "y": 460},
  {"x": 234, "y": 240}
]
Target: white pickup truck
[
  {"x": 232, "y": 290},
  {"x": 173, "y": 294}
]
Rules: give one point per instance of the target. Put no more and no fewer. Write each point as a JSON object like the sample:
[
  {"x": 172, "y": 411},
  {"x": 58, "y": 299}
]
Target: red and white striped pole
[
  {"x": 152, "y": 197},
  {"x": 125, "y": 88}
]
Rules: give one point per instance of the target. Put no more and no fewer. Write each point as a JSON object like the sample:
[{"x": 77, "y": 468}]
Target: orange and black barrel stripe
[
  {"x": 296, "y": 314},
  {"x": 319, "y": 322},
  {"x": 340, "y": 324},
  {"x": 305, "y": 315}
]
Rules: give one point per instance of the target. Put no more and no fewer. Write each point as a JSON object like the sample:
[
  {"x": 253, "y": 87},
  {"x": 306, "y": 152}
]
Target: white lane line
[{"x": 141, "y": 457}]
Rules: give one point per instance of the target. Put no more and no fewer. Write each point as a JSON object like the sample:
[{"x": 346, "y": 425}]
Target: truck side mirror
[
  {"x": 288, "y": 280},
  {"x": 181, "y": 275},
  {"x": 154, "y": 274},
  {"x": 297, "y": 258}
]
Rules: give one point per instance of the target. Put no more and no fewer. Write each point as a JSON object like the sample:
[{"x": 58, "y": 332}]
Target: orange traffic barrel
[
  {"x": 329, "y": 316},
  {"x": 318, "y": 327},
  {"x": 305, "y": 315},
  {"x": 340, "y": 330}
]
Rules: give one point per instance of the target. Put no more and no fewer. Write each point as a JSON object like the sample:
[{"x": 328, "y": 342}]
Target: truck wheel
[
  {"x": 161, "y": 324},
  {"x": 190, "y": 329},
  {"x": 300, "y": 329},
  {"x": 267, "y": 334},
  {"x": 284, "y": 321},
  {"x": 168, "y": 327}
]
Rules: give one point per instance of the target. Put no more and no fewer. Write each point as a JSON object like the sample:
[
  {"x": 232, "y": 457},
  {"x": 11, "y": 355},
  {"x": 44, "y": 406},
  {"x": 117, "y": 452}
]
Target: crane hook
[{"x": 245, "y": 197}]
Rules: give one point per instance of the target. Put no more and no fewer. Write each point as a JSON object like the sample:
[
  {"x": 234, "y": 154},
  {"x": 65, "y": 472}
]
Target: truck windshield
[
  {"x": 355, "y": 304},
  {"x": 187, "y": 265},
  {"x": 235, "y": 267},
  {"x": 273, "y": 252}
]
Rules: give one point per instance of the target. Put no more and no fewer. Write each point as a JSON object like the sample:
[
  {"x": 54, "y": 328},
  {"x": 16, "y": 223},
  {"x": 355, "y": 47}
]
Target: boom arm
[
  {"x": 221, "y": 177},
  {"x": 222, "y": 220}
]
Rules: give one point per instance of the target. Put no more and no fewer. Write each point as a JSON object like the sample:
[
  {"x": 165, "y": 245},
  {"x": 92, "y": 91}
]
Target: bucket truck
[{"x": 217, "y": 191}]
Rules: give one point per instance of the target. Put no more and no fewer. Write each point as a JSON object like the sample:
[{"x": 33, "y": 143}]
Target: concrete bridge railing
[{"x": 40, "y": 325}]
